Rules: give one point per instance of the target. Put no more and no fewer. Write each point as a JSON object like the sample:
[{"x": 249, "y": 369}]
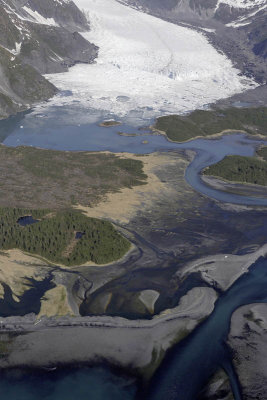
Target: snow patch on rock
[
  {"x": 246, "y": 20},
  {"x": 242, "y": 3},
  {"x": 38, "y": 18},
  {"x": 17, "y": 49}
]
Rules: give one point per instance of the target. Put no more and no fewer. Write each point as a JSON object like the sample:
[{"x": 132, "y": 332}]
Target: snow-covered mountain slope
[{"x": 147, "y": 63}]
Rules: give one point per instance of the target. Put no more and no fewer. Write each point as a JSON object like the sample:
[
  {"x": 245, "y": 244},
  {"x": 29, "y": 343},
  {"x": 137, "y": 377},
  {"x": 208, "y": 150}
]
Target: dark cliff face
[
  {"x": 52, "y": 49},
  {"x": 20, "y": 85},
  {"x": 38, "y": 37}
]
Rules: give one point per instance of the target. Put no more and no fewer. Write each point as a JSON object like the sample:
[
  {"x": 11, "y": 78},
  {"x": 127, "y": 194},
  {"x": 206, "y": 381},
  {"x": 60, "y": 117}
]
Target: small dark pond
[
  {"x": 27, "y": 220},
  {"x": 79, "y": 235}
]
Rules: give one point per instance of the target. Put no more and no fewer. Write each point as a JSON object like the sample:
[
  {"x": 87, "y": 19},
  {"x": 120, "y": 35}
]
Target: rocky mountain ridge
[
  {"x": 225, "y": 11},
  {"x": 38, "y": 37}
]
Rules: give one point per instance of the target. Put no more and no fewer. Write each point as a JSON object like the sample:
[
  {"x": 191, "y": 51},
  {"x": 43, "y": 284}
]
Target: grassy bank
[
  {"x": 205, "y": 123},
  {"x": 241, "y": 169},
  {"x": 54, "y": 236}
]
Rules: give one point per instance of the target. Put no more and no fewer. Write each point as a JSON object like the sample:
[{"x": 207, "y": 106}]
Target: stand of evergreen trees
[
  {"x": 240, "y": 169},
  {"x": 53, "y": 236},
  {"x": 209, "y": 122}
]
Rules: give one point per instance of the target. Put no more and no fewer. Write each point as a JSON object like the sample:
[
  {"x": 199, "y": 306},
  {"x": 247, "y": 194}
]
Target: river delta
[{"x": 197, "y": 255}]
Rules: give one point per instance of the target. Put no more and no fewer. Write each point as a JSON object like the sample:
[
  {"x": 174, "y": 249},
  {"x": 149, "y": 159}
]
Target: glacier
[{"x": 146, "y": 64}]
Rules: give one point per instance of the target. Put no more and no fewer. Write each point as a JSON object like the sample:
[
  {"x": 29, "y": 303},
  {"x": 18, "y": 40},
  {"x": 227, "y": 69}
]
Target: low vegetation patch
[
  {"x": 54, "y": 236},
  {"x": 240, "y": 169},
  {"x": 36, "y": 178},
  {"x": 205, "y": 123},
  {"x": 262, "y": 153}
]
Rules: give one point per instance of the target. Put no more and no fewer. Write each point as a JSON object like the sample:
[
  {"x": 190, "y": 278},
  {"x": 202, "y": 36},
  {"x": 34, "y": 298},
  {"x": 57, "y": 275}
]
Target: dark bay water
[{"x": 71, "y": 384}]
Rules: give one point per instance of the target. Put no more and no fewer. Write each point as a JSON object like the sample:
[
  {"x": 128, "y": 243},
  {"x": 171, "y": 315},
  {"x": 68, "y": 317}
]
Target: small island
[
  {"x": 251, "y": 170},
  {"x": 110, "y": 122}
]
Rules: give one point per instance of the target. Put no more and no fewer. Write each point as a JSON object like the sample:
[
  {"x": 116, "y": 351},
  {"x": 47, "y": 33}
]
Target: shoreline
[
  {"x": 230, "y": 186},
  {"x": 211, "y": 136},
  {"x": 132, "y": 344},
  {"x": 222, "y": 270},
  {"x": 110, "y": 338},
  {"x": 135, "y": 346}
]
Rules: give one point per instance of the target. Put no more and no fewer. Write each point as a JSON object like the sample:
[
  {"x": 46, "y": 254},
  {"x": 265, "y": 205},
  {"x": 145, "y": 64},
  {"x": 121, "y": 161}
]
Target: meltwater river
[{"x": 190, "y": 364}]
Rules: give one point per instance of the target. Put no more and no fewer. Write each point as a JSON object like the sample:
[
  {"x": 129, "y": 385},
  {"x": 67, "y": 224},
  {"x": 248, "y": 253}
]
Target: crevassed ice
[{"x": 146, "y": 63}]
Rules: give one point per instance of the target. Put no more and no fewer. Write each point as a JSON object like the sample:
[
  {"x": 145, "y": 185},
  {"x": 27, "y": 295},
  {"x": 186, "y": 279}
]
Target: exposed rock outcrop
[{"x": 38, "y": 37}]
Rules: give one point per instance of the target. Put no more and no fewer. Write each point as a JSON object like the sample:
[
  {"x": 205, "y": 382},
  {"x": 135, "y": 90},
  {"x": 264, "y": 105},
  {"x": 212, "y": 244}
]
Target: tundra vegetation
[{"x": 36, "y": 178}]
